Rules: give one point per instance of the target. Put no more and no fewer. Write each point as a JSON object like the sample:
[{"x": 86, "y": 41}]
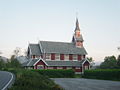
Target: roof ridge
[
  {"x": 54, "y": 41},
  {"x": 64, "y": 60},
  {"x": 33, "y": 43}
]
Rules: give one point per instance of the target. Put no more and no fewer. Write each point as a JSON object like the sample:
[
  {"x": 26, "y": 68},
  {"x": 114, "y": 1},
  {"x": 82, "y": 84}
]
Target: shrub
[
  {"x": 29, "y": 80},
  {"x": 107, "y": 74},
  {"x": 56, "y": 73}
]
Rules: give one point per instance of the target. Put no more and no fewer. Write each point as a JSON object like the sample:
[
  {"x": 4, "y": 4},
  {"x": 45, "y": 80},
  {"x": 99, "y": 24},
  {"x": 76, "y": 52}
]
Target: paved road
[
  {"x": 6, "y": 79},
  {"x": 87, "y": 84}
]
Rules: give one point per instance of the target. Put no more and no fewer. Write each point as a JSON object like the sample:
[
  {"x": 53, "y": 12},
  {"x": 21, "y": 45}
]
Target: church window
[
  {"x": 57, "y": 56},
  {"x": 40, "y": 67},
  {"x": 86, "y": 68},
  {"x": 66, "y": 56},
  {"x": 74, "y": 57},
  {"x": 48, "y": 56}
]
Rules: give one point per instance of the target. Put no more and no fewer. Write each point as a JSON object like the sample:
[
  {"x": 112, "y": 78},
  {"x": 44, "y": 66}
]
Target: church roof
[
  {"x": 32, "y": 62},
  {"x": 64, "y": 63},
  {"x": 35, "y": 49},
  {"x": 61, "y": 48}
]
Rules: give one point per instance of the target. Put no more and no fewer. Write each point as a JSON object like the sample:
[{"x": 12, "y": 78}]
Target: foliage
[
  {"x": 2, "y": 64},
  {"x": 118, "y": 61},
  {"x": 106, "y": 74},
  {"x": 110, "y": 62},
  {"x": 13, "y": 63},
  {"x": 30, "y": 80},
  {"x": 17, "y": 51},
  {"x": 56, "y": 73},
  {"x": 78, "y": 76},
  {"x": 91, "y": 61}
]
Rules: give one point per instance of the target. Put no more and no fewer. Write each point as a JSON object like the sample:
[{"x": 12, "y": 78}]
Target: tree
[
  {"x": 91, "y": 61},
  {"x": 14, "y": 62},
  {"x": 118, "y": 61},
  {"x": 2, "y": 64},
  {"x": 110, "y": 62},
  {"x": 17, "y": 51}
]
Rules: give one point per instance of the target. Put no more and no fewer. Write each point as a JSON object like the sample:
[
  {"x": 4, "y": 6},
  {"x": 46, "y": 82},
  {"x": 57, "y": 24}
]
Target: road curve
[
  {"x": 87, "y": 84},
  {"x": 6, "y": 80}
]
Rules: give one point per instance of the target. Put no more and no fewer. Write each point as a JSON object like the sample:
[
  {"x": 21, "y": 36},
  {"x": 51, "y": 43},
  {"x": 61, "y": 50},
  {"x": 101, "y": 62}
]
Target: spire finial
[
  {"x": 76, "y": 15},
  {"x": 77, "y": 23}
]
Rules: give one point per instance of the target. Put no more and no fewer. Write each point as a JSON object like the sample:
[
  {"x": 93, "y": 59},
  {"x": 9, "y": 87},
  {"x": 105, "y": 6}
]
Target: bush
[
  {"x": 56, "y": 73},
  {"x": 29, "y": 80},
  {"x": 106, "y": 74}
]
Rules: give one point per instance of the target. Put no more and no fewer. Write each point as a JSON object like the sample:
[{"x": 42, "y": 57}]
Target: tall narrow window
[
  {"x": 48, "y": 56},
  {"x": 86, "y": 68},
  {"x": 66, "y": 57},
  {"x": 57, "y": 56},
  {"x": 75, "y": 57}
]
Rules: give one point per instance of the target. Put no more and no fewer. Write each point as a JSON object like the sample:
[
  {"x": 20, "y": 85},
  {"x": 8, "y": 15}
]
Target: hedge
[
  {"x": 56, "y": 73},
  {"x": 29, "y": 80},
  {"x": 106, "y": 74}
]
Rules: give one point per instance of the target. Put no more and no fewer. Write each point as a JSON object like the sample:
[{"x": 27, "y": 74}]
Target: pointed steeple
[
  {"x": 77, "y": 25},
  {"x": 77, "y": 37}
]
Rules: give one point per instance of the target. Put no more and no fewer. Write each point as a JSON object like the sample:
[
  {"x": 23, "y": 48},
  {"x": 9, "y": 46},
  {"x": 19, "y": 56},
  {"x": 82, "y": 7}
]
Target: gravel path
[{"x": 86, "y": 84}]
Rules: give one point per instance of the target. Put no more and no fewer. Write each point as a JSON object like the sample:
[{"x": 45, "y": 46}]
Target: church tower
[{"x": 77, "y": 37}]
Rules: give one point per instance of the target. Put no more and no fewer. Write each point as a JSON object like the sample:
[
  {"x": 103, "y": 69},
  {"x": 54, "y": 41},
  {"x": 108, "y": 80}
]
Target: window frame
[
  {"x": 39, "y": 67},
  {"x": 57, "y": 56},
  {"x": 66, "y": 56},
  {"x": 75, "y": 57},
  {"x": 47, "y": 56}
]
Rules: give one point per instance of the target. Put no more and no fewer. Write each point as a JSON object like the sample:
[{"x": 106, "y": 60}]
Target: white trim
[
  {"x": 41, "y": 49},
  {"x": 66, "y": 56},
  {"x": 82, "y": 69},
  {"x": 75, "y": 57},
  {"x": 83, "y": 63},
  {"x": 57, "y": 56},
  {"x": 40, "y": 60},
  {"x": 40, "y": 66},
  {"x": 29, "y": 62},
  {"x": 40, "y": 46},
  {"x": 8, "y": 82},
  {"x": 30, "y": 50},
  {"x": 86, "y": 60},
  {"x": 48, "y": 55}
]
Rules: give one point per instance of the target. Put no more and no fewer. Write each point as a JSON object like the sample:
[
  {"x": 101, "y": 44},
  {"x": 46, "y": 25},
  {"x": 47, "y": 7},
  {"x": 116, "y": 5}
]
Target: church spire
[
  {"x": 77, "y": 25},
  {"x": 77, "y": 37}
]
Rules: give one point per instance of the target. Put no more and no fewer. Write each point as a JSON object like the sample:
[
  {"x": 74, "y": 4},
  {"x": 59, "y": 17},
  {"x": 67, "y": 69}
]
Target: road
[
  {"x": 6, "y": 80},
  {"x": 86, "y": 84}
]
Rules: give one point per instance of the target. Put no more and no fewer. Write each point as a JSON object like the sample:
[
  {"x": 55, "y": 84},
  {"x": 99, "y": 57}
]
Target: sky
[{"x": 27, "y": 21}]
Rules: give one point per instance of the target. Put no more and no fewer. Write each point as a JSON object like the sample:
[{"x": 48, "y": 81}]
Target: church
[{"x": 59, "y": 55}]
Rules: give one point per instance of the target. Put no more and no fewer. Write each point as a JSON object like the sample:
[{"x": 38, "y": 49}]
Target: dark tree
[
  {"x": 2, "y": 64},
  {"x": 118, "y": 61},
  {"x": 110, "y": 62},
  {"x": 13, "y": 63}
]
